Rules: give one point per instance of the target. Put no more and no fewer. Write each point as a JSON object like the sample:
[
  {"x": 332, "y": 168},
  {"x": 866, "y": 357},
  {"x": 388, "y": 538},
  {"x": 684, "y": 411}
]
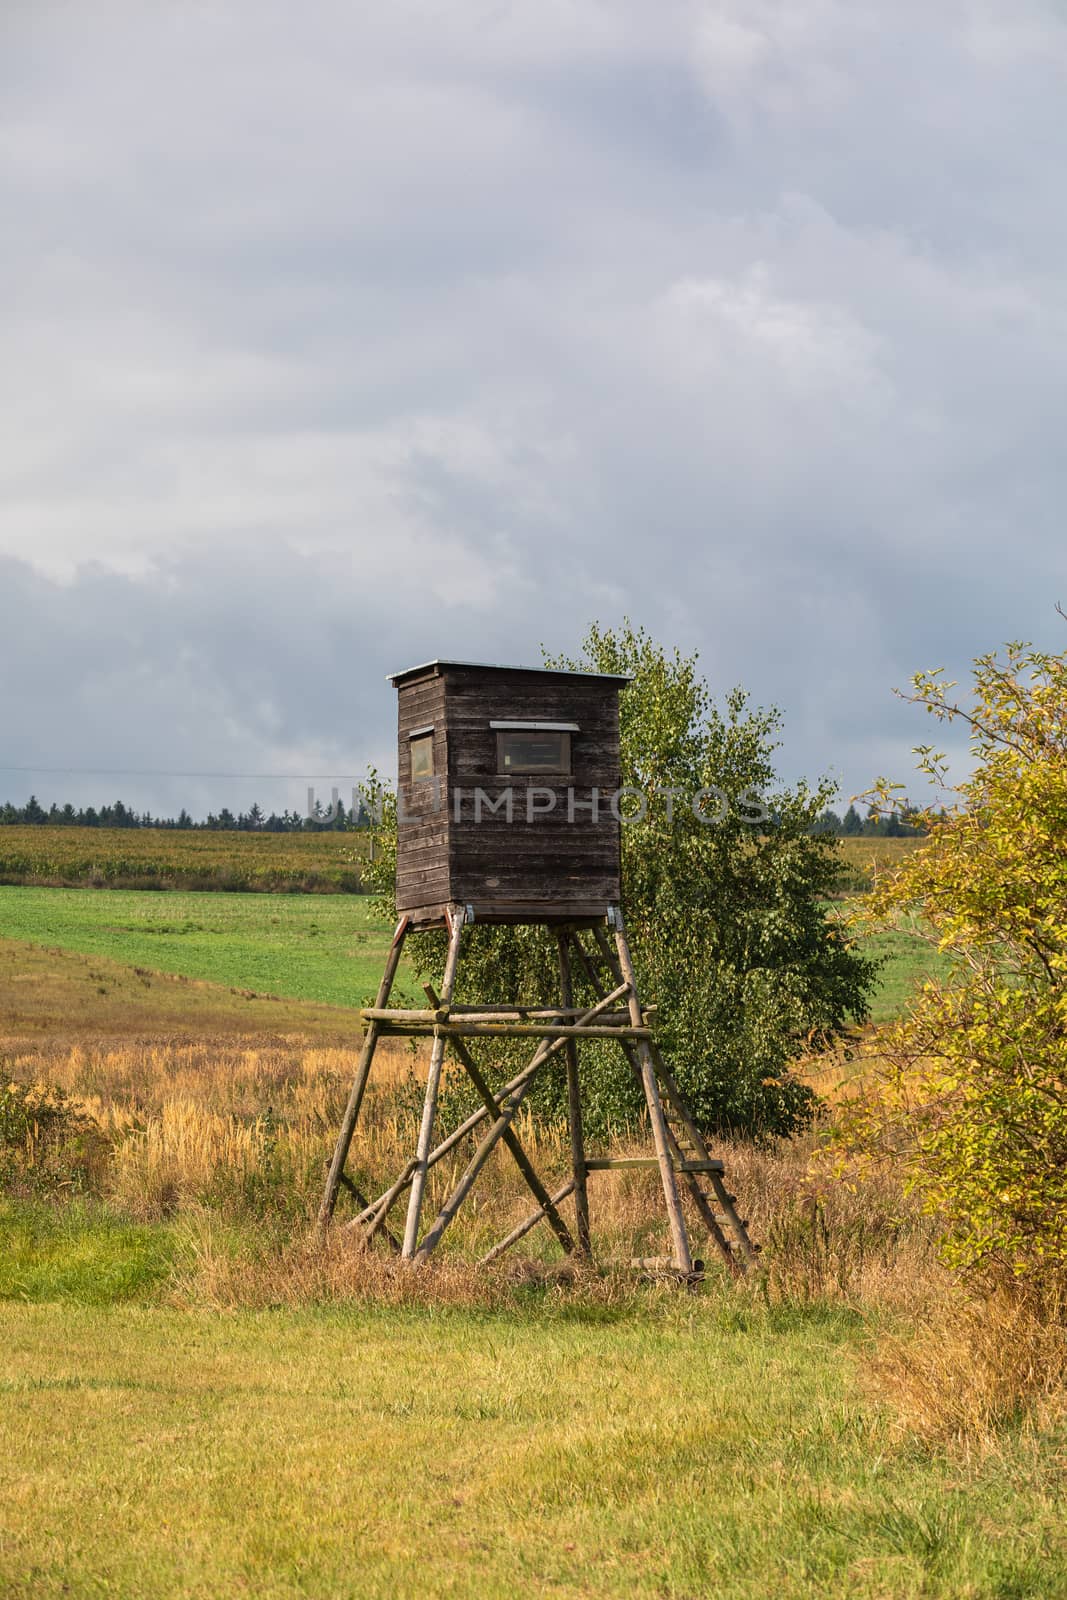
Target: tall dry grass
[
  {"x": 977, "y": 1364},
  {"x": 246, "y": 1132}
]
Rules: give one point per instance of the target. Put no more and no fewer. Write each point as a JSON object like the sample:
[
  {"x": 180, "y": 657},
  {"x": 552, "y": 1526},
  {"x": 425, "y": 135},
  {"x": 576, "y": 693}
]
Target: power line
[{"x": 145, "y": 772}]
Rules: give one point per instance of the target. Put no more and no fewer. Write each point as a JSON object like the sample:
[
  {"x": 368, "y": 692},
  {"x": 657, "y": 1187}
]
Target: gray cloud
[{"x": 329, "y": 343}]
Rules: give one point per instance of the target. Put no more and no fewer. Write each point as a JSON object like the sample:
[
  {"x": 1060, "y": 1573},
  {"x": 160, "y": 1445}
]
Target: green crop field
[
  {"x": 320, "y": 863},
  {"x": 170, "y": 858},
  {"x": 863, "y": 861}
]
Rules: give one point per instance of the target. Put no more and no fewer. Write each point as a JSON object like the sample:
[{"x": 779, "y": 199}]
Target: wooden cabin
[{"x": 507, "y": 781}]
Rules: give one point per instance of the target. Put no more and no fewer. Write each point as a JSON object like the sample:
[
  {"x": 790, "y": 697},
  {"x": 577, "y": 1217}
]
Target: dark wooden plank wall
[
  {"x": 422, "y": 843},
  {"x": 549, "y": 860}
]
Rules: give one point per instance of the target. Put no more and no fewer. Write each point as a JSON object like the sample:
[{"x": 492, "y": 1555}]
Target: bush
[
  {"x": 973, "y": 1093},
  {"x": 47, "y": 1142}
]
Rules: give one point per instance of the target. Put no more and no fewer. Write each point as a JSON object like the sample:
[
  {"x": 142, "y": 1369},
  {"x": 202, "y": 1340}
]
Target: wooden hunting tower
[
  {"x": 508, "y": 811},
  {"x": 507, "y": 793}
]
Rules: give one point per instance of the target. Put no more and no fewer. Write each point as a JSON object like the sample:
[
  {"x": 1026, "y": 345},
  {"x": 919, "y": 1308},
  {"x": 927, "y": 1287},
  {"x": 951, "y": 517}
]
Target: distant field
[
  {"x": 305, "y": 947},
  {"x": 865, "y": 859},
  {"x": 166, "y": 858},
  {"x": 315, "y": 863}
]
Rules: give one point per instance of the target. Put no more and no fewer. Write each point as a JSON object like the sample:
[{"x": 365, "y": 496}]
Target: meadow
[
  {"x": 201, "y": 1399},
  {"x": 176, "y": 858},
  {"x": 326, "y": 948},
  {"x": 655, "y": 1448}
]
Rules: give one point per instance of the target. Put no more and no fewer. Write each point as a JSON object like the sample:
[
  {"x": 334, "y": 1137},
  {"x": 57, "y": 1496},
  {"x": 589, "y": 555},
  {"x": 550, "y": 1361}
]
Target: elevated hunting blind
[
  {"x": 509, "y": 810},
  {"x": 507, "y": 793}
]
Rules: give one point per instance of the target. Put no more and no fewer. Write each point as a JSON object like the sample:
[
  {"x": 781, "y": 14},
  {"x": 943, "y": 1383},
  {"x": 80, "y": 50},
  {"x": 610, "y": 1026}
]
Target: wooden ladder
[{"x": 690, "y": 1157}]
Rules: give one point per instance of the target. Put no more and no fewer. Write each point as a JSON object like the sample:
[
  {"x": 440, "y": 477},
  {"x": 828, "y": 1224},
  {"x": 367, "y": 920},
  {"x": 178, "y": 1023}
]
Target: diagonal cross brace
[
  {"x": 509, "y": 1107},
  {"x": 383, "y": 1204},
  {"x": 511, "y": 1139}
]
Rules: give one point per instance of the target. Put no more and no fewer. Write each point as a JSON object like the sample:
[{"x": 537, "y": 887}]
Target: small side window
[{"x": 421, "y": 748}]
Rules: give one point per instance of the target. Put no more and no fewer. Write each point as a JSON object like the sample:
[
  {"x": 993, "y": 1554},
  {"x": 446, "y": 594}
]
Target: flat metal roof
[{"x": 499, "y": 666}]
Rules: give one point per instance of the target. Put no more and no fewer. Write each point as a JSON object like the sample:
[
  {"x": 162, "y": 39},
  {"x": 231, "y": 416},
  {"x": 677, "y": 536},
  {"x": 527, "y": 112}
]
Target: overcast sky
[{"x": 338, "y": 337}]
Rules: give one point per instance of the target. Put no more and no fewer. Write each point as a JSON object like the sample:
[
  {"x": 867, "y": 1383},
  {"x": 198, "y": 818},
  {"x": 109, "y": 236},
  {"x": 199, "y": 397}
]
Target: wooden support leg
[
  {"x": 374, "y": 1215},
  {"x": 739, "y": 1227},
  {"x": 361, "y": 1200},
  {"x": 355, "y": 1099},
  {"x": 606, "y": 951},
  {"x": 574, "y": 1107},
  {"x": 508, "y": 1110},
  {"x": 511, "y": 1139},
  {"x": 696, "y": 1139},
  {"x": 433, "y": 1084},
  {"x": 683, "y": 1259},
  {"x": 707, "y": 1215},
  {"x": 385, "y": 1202}
]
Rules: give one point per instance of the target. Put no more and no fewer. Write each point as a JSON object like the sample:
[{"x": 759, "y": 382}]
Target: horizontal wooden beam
[
  {"x": 435, "y": 1016},
  {"x": 514, "y": 1030},
  {"x": 655, "y": 1264},
  {"x": 506, "y": 1009},
  {"x": 400, "y": 1014}
]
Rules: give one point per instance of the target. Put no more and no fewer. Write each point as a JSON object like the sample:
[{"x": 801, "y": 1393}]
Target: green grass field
[
  {"x": 190, "y": 1411},
  {"x": 663, "y": 1447},
  {"x": 305, "y": 947}
]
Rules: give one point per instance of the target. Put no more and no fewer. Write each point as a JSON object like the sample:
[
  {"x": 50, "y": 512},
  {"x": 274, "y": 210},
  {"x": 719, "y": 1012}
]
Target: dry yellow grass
[
  {"x": 975, "y": 1365},
  {"x": 201, "y": 1116},
  {"x": 247, "y": 1129}
]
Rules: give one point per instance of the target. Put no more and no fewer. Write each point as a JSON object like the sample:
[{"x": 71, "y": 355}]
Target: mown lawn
[{"x": 686, "y": 1448}]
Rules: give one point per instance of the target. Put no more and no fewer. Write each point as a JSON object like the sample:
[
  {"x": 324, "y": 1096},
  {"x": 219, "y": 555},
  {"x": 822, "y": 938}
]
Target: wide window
[
  {"x": 421, "y": 747},
  {"x": 533, "y": 747}
]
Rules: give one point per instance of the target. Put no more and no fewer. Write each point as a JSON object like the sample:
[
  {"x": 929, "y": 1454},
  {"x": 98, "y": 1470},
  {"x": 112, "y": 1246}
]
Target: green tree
[
  {"x": 973, "y": 1092},
  {"x": 726, "y": 910},
  {"x": 852, "y": 825}
]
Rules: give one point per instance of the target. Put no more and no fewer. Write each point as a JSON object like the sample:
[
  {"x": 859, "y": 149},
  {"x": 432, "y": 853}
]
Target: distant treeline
[
  {"x": 908, "y": 825},
  {"x": 324, "y": 819},
  {"x": 335, "y": 818}
]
